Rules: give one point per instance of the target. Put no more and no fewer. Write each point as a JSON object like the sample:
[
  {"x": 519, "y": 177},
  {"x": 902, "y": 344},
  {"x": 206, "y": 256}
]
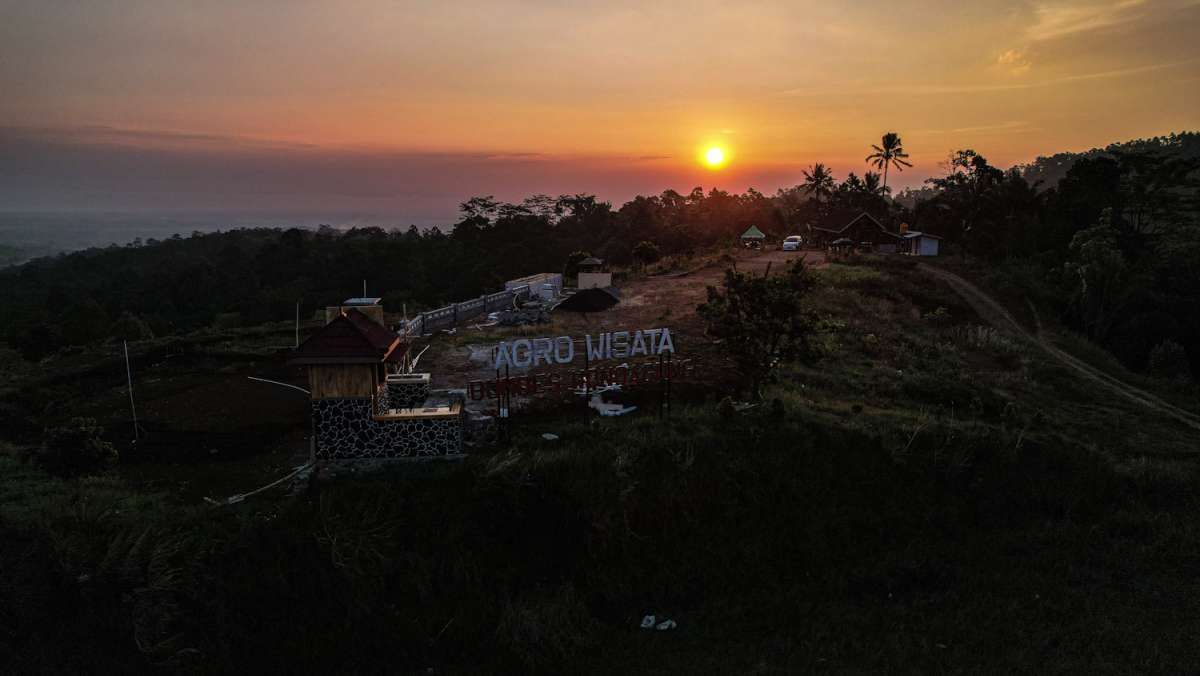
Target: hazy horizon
[{"x": 394, "y": 113}]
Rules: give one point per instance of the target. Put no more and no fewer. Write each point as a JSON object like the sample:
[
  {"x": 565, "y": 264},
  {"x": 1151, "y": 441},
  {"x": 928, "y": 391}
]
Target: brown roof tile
[{"x": 350, "y": 338}]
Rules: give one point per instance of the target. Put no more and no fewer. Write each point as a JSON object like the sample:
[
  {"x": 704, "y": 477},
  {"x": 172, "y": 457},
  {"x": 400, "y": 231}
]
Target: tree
[
  {"x": 130, "y": 327},
  {"x": 572, "y": 267},
  {"x": 762, "y": 320},
  {"x": 872, "y": 184},
  {"x": 646, "y": 253},
  {"x": 1168, "y": 360},
  {"x": 819, "y": 182},
  {"x": 1100, "y": 271},
  {"x": 890, "y": 153},
  {"x": 78, "y": 447}
]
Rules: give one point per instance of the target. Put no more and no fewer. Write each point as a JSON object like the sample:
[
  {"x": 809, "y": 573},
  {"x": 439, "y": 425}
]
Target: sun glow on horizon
[{"x": 714, "y": 157}]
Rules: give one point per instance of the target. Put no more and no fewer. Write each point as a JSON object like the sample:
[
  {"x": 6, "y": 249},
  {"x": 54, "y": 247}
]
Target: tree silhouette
[
  {"x": 818, "y": 182},
  {"x": 871, "y": 183},
  {"x": 889, "y": 154}
]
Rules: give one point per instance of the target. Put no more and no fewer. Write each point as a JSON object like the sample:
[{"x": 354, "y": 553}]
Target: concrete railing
[{"x": 449, "y": 316}]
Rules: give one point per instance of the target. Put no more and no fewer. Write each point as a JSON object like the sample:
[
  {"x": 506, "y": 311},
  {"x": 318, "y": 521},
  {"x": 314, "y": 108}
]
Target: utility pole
[
  {"x": 297, "y": 323},
  {"x": 364, "y": 288},
  {"x": 129, "y": 380}
]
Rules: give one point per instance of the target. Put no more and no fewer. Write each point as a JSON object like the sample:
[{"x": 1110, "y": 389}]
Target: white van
[{"x": 792, "y": 243}]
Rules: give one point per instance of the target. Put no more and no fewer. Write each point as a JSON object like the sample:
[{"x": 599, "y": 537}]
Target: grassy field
[{"x": 933, "y": 496}]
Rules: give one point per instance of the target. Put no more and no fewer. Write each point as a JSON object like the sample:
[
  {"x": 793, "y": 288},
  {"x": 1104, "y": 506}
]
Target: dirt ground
[{"x": 646, "y": 303}]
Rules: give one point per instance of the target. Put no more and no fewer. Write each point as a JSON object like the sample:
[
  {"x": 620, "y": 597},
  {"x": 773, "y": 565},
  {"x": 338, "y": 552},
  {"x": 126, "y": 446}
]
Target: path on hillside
[{"x": 992, "y": 311}]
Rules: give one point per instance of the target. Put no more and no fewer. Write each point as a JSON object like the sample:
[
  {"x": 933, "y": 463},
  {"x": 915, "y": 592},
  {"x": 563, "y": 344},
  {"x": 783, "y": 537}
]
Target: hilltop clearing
[{"x": 937, "y": 493}]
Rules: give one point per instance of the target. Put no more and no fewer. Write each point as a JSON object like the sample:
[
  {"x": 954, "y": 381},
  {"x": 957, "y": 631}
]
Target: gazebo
[
  {"x": 841, "y": 247},
  {"x": 753, "y": 238}
]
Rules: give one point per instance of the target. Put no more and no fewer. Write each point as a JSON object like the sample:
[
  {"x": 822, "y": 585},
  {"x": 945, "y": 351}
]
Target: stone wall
[
  {"x": 408, "y": 394},
  {"x": 345, "y": 429}
]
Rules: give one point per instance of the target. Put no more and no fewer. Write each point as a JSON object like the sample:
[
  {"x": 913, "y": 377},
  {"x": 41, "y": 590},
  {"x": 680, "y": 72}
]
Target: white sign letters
[{"x": 532, "y": 352}]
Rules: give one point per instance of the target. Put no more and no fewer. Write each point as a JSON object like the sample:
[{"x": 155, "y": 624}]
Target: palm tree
[
  {"x": 819, "y": 181},
  {"x": 871, "y": 184},
  {"x": 891, "y": 154}
]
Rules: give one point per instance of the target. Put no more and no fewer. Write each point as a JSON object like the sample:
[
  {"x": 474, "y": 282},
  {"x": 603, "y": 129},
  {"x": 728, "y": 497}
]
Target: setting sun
[{"x": 714, "y": 157}]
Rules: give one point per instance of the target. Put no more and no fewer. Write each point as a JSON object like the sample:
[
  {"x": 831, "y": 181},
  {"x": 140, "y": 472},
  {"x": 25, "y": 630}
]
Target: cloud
[
  {"x": 969, "y": 88},
  {"x": 1010, "y": 127},
  {"x": 1061, "y": 19},
  {"x": 1014, "y": 62},
  {"x": 147, "y": 138},
  {"x": 45, "y": 169}
]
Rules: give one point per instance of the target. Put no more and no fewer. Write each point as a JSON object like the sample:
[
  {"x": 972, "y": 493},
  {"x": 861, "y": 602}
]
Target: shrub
[
  {"x": 1169, "y": 360},
  {"x": 646, "y": 253},
  {"x": 547, "y": 633},
  {"x": 763, "y": 320},
  {"x": 131, "y": 327},
  {"x": 939, "y": 317},
  {"x": 988, "y": 338},
  {"x": 75, "y": 448}
]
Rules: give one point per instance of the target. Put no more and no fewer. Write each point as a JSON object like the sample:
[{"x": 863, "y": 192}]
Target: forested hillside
[{"x": 1111, "y": 249}]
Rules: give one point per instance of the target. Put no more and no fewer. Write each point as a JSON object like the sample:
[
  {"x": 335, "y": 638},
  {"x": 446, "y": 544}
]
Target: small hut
[
  {"x": 841, "y": 248},
  {"x": 592, "y": 275},
  {"x": 753, "y": 238},
  {"x": 348, "y": 363},
  {"x": 920, "y": 243}
]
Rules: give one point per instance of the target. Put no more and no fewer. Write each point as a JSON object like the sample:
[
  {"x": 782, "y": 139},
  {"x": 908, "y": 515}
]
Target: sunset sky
[{"x": 398, "y": 110}]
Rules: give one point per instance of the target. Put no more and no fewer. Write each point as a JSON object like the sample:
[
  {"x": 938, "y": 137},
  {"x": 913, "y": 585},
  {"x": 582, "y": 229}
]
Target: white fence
[{"x": 451, "y": 315}]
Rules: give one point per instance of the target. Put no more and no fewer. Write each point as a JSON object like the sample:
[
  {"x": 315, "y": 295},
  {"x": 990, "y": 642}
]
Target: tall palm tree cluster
[{"x": 820, "y": 184}]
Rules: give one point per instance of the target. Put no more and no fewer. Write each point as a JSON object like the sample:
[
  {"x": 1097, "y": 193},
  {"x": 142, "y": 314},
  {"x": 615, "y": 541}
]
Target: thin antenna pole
[
  {"x": 364, "y": 288},
  {"x": 297, "y": 323},
  {"x": 129, "y": 380}
]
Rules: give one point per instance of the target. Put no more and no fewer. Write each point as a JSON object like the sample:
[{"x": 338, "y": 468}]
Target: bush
[
  {"x": 131, "y": 327},
  {"x": 763, "y": 320},
  {"x": 1169, "y": 360},
  {"x": 75, "y": 448},
  {"x": 939, "y": 317},
  {"x": 547, "y": 633},
  {"x": 646, "y": 253}
]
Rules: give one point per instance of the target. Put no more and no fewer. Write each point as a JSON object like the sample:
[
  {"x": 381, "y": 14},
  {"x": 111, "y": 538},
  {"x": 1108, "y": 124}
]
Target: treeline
[
  {"x": 251, "y": 276},
  {"x": 1112, "y": 248}
]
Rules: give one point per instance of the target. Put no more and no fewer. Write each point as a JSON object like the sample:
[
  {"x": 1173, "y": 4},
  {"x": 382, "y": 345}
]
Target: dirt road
[{"x": 994, "y": 313}]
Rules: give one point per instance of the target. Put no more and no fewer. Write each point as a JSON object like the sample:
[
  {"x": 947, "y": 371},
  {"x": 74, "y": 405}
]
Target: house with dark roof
[{"x": 863, "y": 232}]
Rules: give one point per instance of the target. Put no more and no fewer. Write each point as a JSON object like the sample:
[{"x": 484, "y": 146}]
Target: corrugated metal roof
[{"x": 361, "y": 301}]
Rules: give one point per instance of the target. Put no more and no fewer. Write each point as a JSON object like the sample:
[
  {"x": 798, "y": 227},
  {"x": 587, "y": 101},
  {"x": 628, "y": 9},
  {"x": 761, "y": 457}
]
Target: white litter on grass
[
  {"x": 611, "y": 387},
  {"x": 609, "y": 410},
  {"x": 550, "y": 437},
  {"x": 651, "y": 622}
]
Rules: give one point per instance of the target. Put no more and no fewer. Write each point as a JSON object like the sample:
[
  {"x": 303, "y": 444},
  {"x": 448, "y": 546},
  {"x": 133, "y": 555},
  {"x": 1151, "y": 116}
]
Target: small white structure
[
  {"x": 592, "y": 275},
  {"x": 920, "y": 244},
  {"x": 544, "y": 285}
]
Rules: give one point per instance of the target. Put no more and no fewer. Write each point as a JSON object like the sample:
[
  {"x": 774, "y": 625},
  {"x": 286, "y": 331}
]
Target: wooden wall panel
[{"x": 342, "y": 380}]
